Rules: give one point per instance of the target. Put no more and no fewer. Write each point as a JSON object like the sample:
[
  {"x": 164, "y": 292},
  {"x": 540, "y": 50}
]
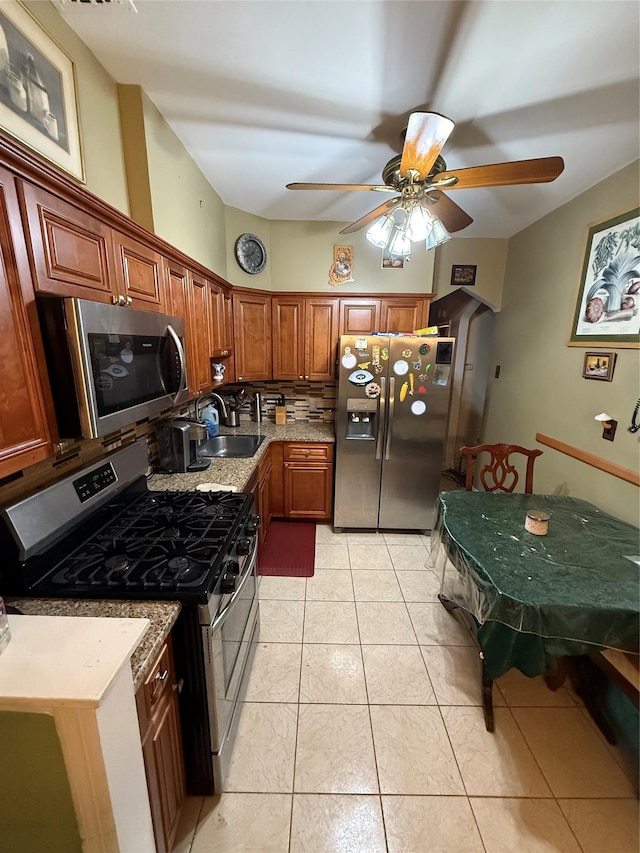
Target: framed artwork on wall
[
  {"x": 38, "y": 90},
  {"x": 463, "y": 274},
  {"x": 599, "y": 365},
  {"x": 607, "y": 311}
]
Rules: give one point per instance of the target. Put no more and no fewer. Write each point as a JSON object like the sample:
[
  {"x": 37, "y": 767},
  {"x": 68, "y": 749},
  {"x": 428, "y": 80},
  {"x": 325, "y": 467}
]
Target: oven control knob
[
  {"x": 227, "y": 583},
  {"x": 244, "y": 546},
  {"x": 231, "y": 567},
  {"x": 253, "y": 523}
]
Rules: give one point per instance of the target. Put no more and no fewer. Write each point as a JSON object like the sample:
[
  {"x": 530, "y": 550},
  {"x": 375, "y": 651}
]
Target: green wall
[
  {"x": 187, "y": 211},
  {"x": 541, "y": 388},
  {"x": 36, "y": 809}
]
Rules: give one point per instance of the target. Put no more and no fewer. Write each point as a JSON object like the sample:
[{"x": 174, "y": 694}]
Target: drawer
[
  {"x": 159, "y": 681},
  {"x": 308, "y": 452}
]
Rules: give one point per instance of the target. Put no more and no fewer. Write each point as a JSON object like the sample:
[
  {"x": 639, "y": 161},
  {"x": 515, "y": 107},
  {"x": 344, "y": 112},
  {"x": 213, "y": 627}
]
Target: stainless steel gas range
[{"x": 101, "y": 534}]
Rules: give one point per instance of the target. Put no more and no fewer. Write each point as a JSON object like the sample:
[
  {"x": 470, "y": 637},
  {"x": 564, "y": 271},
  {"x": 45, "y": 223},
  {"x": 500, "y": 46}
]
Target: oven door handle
[
  {"x": 182, "y": 385},
  {"x": 243, "y": 582}
]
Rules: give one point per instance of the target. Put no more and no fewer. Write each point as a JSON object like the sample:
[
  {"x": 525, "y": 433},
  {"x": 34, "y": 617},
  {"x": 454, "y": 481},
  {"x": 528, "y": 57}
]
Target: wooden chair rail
[{"x": 591, "y": 459}]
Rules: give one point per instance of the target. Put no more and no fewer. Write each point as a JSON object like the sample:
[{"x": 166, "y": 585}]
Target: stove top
[
  {"x": 100, "y": 533},
  {"x": 162, "y": 541}
]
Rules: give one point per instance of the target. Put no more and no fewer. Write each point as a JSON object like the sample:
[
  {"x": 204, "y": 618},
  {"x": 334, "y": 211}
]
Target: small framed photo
[
  {"x": 463, "y": 274},
  {"x": 599, "y": 365},
  {"x": 392, "y": 262}
]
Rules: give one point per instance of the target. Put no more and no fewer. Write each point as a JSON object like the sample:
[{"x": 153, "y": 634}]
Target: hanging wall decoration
[
  {"x": 38, "y": 90},
  {"x": 607, "y": 309},
  {"x": 341, "y": 270}
]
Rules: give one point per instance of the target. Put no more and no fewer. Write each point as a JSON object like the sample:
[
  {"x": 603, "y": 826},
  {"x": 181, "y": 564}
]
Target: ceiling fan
[{"x": 419, "y": 174}]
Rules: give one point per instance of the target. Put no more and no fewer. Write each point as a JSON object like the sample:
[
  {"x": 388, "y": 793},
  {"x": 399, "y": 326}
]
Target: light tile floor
[{"x": 363, "y": 731}]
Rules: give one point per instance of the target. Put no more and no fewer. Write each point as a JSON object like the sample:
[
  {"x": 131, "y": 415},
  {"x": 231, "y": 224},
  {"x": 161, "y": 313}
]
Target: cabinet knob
[
  {"x": 300, "y": 377},
  {"x": 129, "y": 300},
  {"x": 120, "y": 300}
]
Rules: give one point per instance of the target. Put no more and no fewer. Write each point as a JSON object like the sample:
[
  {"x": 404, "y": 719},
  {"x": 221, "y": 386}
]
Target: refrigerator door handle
[
  {"x": 381, "y": 413},
  {"x": 392, "y": 389}
]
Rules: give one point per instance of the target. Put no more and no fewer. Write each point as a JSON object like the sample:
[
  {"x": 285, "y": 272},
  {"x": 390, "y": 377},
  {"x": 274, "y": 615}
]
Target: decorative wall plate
[{"x": 251, "y": 253}]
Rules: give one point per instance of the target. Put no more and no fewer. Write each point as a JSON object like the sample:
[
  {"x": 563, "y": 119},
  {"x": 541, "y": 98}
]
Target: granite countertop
[
  {"x": 161, "y": 614},
  {"x": 238, "y": 472}
]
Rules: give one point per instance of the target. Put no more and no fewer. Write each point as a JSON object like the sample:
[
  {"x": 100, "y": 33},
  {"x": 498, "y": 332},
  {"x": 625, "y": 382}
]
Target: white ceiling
[{"x": 265, "y": 92}]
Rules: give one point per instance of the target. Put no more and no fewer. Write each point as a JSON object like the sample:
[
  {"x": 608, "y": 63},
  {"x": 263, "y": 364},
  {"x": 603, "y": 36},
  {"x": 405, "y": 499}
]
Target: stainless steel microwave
[{"x": 110, "y": 366}]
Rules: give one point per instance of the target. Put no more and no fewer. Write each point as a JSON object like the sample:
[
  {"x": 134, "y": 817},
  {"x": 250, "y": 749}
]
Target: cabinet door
[
  {"x": 264, "y": 497},
  {"x": 321, "y": 333},
  {"x": 288, "y": 337},
  {"x": 159, "y": 720},
  {"x": 230, "y": 361},
  {"x": 308, "y": 489},
  {"x": 71, "y": 251},
  {"x": 403, "y": 314},
  {"x": 140, "y": 274},
  {"x": 24, "y": 429},
  {"x": 201, "y": 380},
  {"x": 359, "y": 316},
  {"x": 252, "y": 331}
]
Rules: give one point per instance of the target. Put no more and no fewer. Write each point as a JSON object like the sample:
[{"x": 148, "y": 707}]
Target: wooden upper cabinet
[
  {"x": 71, "y": 251},
  {"x": 288, "y": 337},
  {"x": 140, "y": 274},
  {"x": 199, "y": 334},
  {"x": 403, "y": 314},
  {"x": 252, "y": 336},
  {"x": 321, "y": 333},
  {"x": 24, "y": 397},
  {"x": 359, "y": 316}
]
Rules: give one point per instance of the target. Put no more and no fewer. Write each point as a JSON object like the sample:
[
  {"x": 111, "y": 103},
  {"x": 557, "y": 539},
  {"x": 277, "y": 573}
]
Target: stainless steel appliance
[
  {"x": 101, "y": 534},
  {"x": 126, "y": 364},
  {"x": 391, "y": 420},
  {"x": 178, "y": 443}
]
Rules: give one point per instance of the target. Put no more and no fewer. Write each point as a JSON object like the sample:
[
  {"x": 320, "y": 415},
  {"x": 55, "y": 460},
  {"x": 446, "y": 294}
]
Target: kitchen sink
[{"x": 231, "y": 446}]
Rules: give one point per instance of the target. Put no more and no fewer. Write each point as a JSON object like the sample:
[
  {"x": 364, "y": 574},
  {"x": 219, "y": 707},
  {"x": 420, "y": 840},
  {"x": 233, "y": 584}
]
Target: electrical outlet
[
  {"x": 468, "y": 365},
  {"x": 496, "y": 375}
]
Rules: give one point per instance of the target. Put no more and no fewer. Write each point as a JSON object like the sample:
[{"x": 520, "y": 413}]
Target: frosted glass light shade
[
  {"x": 438, "y": 235},
  {"x": 399, "y": 244},
  {"x": 420, "y": 224},
  {"x": 379, "y": 232}
]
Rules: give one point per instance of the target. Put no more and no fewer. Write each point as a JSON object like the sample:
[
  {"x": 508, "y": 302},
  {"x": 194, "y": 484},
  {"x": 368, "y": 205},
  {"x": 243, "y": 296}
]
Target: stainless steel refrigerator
[{"x": 391, "y": 423}]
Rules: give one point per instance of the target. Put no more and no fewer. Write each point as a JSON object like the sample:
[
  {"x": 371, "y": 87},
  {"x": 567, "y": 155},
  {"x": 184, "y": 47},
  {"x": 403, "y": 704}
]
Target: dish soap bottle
[{"x": 210, "y": 420}]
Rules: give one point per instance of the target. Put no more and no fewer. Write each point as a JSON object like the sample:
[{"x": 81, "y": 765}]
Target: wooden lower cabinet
[
  {"x": 308, "y": 480},
  {"x": 159, "y": 719},
  {"x": 264, "y": 496}
]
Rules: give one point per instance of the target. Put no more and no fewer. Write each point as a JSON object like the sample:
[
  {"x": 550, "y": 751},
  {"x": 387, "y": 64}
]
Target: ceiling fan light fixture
[
  {"x": 437, "y": 236},
  {"x": 399, "y": 244},
  {"x": 419, "y": 224},
  {"x": 380, "y": 232}
]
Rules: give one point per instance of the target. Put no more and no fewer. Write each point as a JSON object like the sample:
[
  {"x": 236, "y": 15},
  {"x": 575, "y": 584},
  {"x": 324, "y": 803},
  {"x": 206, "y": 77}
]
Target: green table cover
[{"x": 537, "y": 598}]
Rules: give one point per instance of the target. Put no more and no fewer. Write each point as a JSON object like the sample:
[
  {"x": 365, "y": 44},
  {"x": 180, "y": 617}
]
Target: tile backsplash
[
  {"x": 305, "y": 401},
  {"x": 314, "y": 401}
]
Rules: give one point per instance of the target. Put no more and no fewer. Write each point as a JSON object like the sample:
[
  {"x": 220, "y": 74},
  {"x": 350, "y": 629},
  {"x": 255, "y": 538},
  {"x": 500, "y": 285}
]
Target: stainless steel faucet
[{"x": 216, "y": 399}]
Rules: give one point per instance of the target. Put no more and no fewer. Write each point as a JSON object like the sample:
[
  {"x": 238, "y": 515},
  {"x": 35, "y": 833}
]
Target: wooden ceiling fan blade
[
  {"x": 538, "y": 171},
  {"x": 343, "y": 187},
  {"x": 426, "y": 135},
  {"x": 451, "y": 215},
  {"x": 374, "y": 214}
]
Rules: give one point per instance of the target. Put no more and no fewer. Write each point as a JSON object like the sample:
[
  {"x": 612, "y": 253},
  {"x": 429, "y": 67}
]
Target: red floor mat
[{"x": 289, "y": 550}]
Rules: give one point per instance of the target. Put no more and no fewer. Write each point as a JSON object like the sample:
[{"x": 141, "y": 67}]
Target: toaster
[{"x": 178, "y": 442}]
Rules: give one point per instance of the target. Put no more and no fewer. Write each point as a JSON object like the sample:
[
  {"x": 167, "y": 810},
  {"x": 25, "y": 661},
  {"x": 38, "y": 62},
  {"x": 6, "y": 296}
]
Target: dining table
[{"x": 531, "y": 601}]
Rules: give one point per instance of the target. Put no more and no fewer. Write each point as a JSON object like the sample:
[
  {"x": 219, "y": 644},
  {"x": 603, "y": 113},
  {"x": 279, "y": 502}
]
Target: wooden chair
[{"x": 499, "y": 474}]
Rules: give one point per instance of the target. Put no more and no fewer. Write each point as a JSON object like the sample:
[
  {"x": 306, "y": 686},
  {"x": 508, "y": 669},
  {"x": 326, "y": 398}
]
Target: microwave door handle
[
  {"x": 244, "y": 580},
  {"x": 183, "y": 367}
]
